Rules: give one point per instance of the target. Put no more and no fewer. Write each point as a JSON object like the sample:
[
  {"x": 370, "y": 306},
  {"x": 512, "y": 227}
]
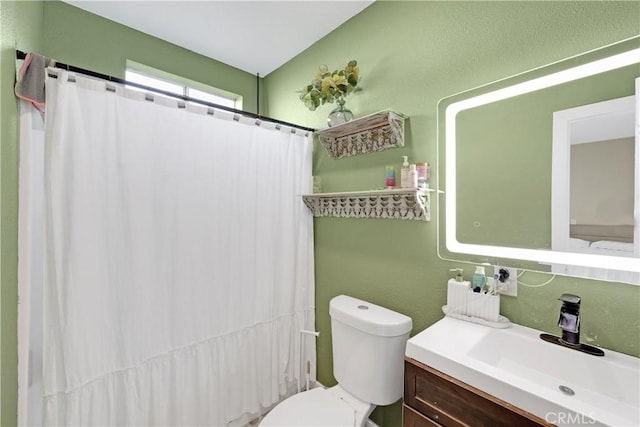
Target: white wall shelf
[
  {"x": 401, "y": 203},
  {"x": 368, "y": 134}
]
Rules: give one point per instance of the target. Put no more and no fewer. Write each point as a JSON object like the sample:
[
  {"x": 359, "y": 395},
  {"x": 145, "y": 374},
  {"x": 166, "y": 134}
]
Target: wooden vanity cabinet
[{"x": 432, "y": 398}]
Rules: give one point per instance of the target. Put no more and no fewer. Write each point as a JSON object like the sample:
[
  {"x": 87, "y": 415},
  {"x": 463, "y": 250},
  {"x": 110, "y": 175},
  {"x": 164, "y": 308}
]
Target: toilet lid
[{"x": 317, "y": 407}]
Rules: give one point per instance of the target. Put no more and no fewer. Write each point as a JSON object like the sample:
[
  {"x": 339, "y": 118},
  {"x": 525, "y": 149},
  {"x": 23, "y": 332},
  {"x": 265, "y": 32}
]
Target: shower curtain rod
[{"x": 21, "y": 55}]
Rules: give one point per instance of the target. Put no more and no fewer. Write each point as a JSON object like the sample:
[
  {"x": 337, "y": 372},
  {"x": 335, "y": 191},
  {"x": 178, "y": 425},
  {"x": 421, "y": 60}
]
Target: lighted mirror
[{"x": 543, "y": 168}]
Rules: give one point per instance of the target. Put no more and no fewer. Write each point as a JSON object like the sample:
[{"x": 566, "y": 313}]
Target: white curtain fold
[
  {"x": 178, "y": 260},
  {"x": 30, "y": 265}
]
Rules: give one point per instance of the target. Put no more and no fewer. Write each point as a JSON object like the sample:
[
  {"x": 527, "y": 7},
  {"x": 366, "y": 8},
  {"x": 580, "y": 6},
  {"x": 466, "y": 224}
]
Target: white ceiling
[{"x": 256, "y": 36}]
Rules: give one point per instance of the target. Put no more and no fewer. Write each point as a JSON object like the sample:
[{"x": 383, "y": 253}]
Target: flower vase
[{"x": 340, "y": 114}]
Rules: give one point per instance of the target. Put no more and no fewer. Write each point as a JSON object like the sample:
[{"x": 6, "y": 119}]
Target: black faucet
[{"x": 569, "y": 322}]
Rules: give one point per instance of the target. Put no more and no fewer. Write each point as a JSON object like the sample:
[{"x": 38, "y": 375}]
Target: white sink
[{"x": 515, "y": 365}]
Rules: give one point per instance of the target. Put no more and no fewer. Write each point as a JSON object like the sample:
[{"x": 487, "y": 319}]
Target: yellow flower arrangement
[{"x": 328, "y": 87}]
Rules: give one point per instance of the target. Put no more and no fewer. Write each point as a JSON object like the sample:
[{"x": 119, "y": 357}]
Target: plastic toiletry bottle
[
  {"x": 479, "y": 280},
  {"x": 390, "y": 177},
  {"x": 404, "y": 173},
  {"x": 412, "y": 180},
  {"x": 423, "y": 175}
]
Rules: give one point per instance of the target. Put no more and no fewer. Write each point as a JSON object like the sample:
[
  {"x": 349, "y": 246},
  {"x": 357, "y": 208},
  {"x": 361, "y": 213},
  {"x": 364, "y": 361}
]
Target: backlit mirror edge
[{"x": 536, "y": 255}]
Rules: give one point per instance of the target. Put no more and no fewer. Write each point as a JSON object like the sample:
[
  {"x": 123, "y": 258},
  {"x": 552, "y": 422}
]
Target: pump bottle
[{"x": 404, "y": 173}]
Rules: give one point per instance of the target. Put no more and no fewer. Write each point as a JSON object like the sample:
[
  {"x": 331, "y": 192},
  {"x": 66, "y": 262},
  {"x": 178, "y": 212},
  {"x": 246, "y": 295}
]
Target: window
[
  {"x": 136, "y": 77},
  {"x": 209, "y": 97},
  {"x": 181, "y": 86}
]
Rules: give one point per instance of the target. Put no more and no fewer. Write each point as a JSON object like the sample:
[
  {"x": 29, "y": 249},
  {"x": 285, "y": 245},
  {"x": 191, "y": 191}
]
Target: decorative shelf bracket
[
  {"x": 403, "y": 203},
  {"x": 375, "y": 132}
]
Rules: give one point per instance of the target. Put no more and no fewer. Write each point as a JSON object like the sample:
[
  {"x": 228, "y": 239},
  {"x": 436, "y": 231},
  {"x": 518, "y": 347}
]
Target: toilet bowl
[
  {"x": 368, "y": 353},
  {"x": 319, "y": 407}
]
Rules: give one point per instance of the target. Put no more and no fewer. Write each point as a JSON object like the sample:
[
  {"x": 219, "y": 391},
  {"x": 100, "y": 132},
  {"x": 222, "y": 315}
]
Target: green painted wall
[
  {"x": 72, "y": 36},
  {"x": 411, "y": 55}
]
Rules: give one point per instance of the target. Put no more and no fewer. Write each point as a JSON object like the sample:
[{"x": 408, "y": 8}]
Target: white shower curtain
[{"x": 178, "y": 260}]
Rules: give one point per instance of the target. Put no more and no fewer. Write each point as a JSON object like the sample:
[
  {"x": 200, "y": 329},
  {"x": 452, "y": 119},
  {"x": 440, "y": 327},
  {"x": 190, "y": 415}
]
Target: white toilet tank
[{"x": 368, "y": 349}]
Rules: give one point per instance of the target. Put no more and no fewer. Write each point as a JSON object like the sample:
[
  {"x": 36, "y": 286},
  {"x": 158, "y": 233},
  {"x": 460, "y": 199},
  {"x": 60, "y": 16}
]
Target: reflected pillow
[
  {"x": 578, "y": 243},
  {"x": 613, "y": 246}
]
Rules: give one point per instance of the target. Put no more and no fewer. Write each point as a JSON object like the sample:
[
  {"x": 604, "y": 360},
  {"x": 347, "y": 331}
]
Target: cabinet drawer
[
  {"x": 413, "y": 418},
  {"x": 453, "y": 403}
]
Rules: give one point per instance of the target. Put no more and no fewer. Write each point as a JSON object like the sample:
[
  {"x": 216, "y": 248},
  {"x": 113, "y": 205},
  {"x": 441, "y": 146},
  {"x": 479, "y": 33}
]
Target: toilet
[{"x": 368, "y": 363}]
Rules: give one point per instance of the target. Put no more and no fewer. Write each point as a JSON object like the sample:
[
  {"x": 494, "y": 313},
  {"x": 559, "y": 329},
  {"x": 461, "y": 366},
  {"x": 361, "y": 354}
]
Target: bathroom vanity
[
  {"x": 459, "y": 373},
  {"x": 432, "y": 398}
]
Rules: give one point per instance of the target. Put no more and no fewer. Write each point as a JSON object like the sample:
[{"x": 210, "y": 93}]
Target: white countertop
[{"x": 515, "y": 365}]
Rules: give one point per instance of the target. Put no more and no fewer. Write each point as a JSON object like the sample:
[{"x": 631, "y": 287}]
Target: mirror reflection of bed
[
  {"x": 601, "y": 239},
  {"x": 595, "y": 182}
]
